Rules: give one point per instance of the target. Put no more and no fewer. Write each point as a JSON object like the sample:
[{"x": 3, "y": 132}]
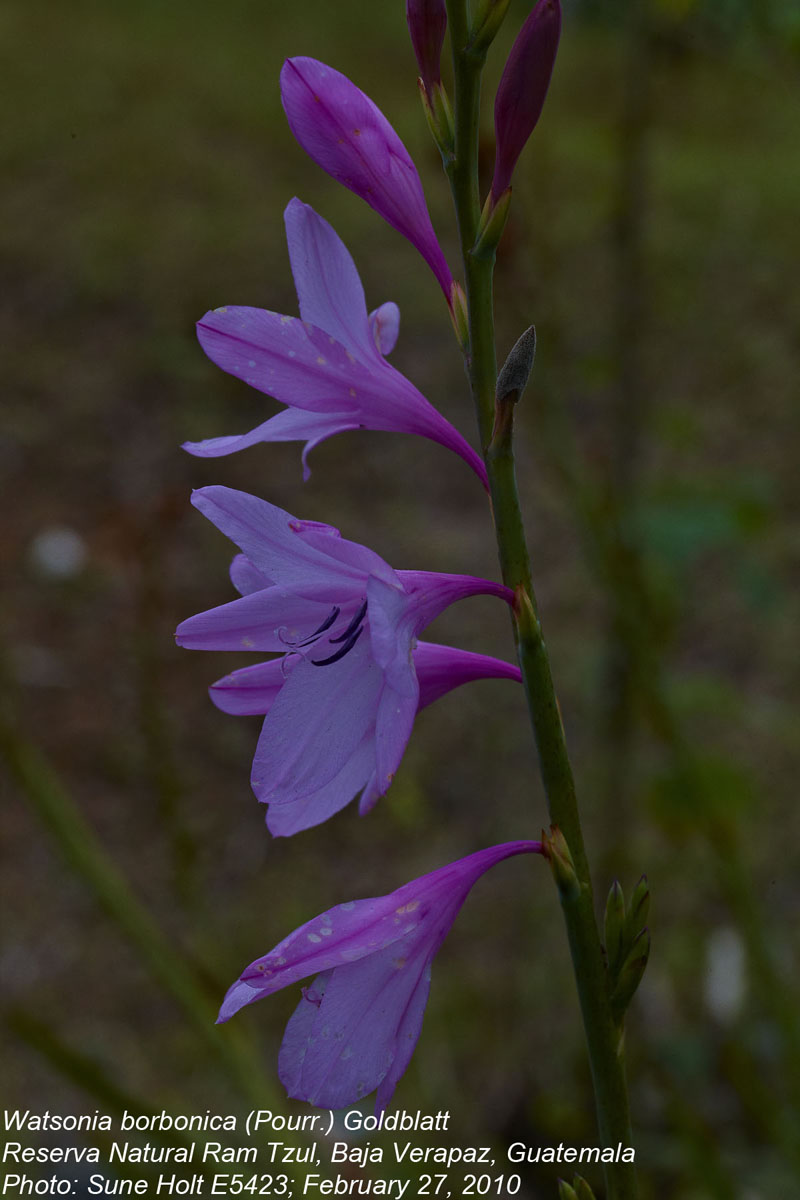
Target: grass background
[{"x": 653, "y": 238}]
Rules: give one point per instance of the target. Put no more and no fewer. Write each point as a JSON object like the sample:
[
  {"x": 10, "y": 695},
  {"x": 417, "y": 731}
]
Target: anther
[
  {"x": 351, "y": 628},
  {"x": 340, "y": 653}
]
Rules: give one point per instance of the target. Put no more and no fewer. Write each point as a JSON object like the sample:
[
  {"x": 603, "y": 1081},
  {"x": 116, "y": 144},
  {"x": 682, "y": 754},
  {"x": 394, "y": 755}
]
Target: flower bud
[
  {"x": 630, "y": 975},
  {"x": 582, "y": 1189},
  {"x": 515, "y": 371},
  {"x": 565, "y": 1192},
  {"x": 347, "y": 135},
  {"x": 427, "y": 24},
  {"x": 615, "y": 929},
  {"x": 488, "y": 19},
  {"x": 523, "y": 87},
  {"x": 638, "y": 910}
]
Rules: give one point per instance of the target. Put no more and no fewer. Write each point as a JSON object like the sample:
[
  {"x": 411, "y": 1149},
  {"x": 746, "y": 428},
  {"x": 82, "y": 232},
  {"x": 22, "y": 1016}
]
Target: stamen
[
  {"x": 357, "y": 619},
  {"x": 326, "y": 624},
  {"x": 340, "y": 653},
  {"x": 312, "y": 637}
]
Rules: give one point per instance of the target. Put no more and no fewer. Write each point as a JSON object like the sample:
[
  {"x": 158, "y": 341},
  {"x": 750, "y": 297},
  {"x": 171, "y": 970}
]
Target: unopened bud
[
  {"x": 615, "y": 928},
  {"x": 427, "y": 25},
  {"x": 523, "y": 87},
  {"x": 630, "y": 975},
  {"x": 439, "y": 115},
  {"x": 488, "y": 19},
  {"x": 491, "y": 226},
  {"x": 638, "y": 910},
  {"x": 582, "y": 1189},
  {"x": 516, "y": 370},
  {"x": 565, "y": 1192}
]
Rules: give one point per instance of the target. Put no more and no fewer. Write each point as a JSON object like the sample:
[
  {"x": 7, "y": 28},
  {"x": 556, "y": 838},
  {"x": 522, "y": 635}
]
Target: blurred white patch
[
  {"x": 725, "y": 982},
  {"x": 58, "y": 552}
]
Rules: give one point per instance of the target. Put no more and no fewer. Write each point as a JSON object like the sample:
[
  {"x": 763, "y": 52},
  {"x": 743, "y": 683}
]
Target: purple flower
[
  {"x": 251, "y": 690},
  {"x": 523, "y": 87},
  {"x": 329, "y": 367},
  {"x": 356, "y": 1026},
  {"x": 427, "y": 25},
  {"x": 349, "y": 137},
  {"x": 347, "y": 625}
]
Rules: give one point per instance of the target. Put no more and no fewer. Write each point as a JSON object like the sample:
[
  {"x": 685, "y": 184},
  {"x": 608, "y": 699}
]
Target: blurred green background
[{"x": 654, "y": 242}]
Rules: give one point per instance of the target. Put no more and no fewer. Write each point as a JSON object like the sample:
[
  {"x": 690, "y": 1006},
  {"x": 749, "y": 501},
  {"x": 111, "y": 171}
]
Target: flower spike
[
  {"x": 348, "y": 136},
  {"x": 522, "y": 90},
  {"x": 358, "y": 1023}
]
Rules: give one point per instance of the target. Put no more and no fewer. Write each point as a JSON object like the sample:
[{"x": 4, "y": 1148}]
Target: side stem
[{"x": 604, "y": 1038}]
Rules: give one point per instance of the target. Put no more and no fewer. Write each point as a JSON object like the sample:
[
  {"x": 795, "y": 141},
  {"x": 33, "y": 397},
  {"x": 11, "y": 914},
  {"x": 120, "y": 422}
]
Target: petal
[
  {"x": 246, "y": 578},
  {"x": 395, "y": 721},
  {"x": 329, "y": 290},
  {"x": 268, "y": 537},
  {"x": 291, "y": 425},
  {"x": 440, "y": 669},
  {"x": 317, "y": 722},
  {"x": 267, "y": 620},
  {"x": 384, "y": 322},
  {"x": 252, "y": 690},
  {"x": 282, "y": 356},
  {"x": 406, "y": 1038},
  {"x": 342, "y": 1039},
  {"x": 287, "y": 818},
  {"x": 349, "y": 137},
  {"x": 392, "y": 624}
]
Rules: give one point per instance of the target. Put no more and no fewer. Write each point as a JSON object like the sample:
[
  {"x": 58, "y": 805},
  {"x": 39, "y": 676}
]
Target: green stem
[{"x": 603, "y": 1036}]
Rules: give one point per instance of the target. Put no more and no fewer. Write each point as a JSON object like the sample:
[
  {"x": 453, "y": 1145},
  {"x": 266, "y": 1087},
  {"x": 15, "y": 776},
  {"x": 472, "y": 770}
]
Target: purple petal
[
  {"x": 269, "y": 620},
  {"x": 284, "y": 357},
  {"x": 342, "y": 1039},
  {"x": 287, "y": 818},
  {"x": 252, "y": 690},
  {"x": 394, "y": 723},
  {"x": 269, "y": 538},
  {"x": 440, "y": 669},
  {"x": 291, "y": 425},
  {"x": 392, "y": 624},
  {"x": 329, "y": 290},
  {"x": 314, "y": 726},
  {"x": 406, "y": 1038},
  {"x": 384, "y": 322},
  {"x": 349, "y": 137},
  {"x": 246, "y": 578}
]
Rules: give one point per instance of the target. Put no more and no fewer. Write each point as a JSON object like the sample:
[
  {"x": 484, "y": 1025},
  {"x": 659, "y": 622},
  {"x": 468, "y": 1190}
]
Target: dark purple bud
[
  {"x": 427, "y": 24},
  {"x": 523, "y": 87}
]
